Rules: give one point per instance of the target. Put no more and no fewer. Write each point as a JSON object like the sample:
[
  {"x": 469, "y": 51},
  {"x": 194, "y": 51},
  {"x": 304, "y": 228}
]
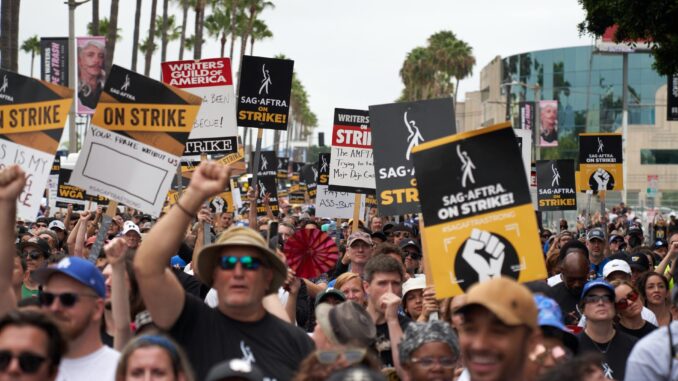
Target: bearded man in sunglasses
[
  {"x": 31, "y": 347},
  {"x": 242, "y": 269},
  {"x": 598, "y": 305}
]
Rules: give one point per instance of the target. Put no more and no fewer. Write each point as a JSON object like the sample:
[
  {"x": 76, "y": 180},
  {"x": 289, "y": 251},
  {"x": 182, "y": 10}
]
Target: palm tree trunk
[
  {"x": 456, "y": 88},
  {"x": 112, "y": 34},
  {"x": 234, "y": 13},
  {"x": 199, "y": 21},
  {"x": 184, "y": 19},
  {"x": 251, "y": 45},
  {"x": 14, "y": 30},
  {"x": 5, "y": 21},
  {"x": 95, "y": 16},
  {"x": 223, "y": 43},
  {"x": 32, "y": 62},
  {"x": 135, "y": 40},
  {"x": 151, "y": 44},
  {"x": 163, "y": 47}
]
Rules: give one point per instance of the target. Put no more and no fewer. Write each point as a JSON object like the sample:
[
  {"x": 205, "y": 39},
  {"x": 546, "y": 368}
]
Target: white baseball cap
[
  {"x": 129, "y": 226},
  {"x": 56, "y": 224},
  {"x": 416, "y": 283},
  {"x": 616, "y": 265}
]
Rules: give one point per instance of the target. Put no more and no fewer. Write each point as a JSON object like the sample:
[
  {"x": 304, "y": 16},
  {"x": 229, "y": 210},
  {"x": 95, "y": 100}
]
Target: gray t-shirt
[{"x": 650, "y": 358}]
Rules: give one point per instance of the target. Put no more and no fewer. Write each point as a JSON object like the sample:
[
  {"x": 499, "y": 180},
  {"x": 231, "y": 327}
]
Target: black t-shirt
[
  {"x": 637, "y": 333},
  {"x": 567, "y": 302},
  {"x": 383, "y": 342},
  {"x": 615, "y": 352},
  {"x": 209, "y": 337}
]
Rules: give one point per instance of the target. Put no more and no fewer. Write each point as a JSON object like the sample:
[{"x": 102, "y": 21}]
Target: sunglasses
[
  {"x": 429, "y": 362},
  {"x": 228, "y": 262},
  {"x": 624, "y": 303},
  {"x": 414, "y": 256},
  {"x": 598, "y": 298},
  {"x": 401, "y": 234},
  {"x": 33, "y": 254},
  {"x": 28, "y": 362},
  {"x": 352, "y": 355},
  {"x": 67, "y": 299}
]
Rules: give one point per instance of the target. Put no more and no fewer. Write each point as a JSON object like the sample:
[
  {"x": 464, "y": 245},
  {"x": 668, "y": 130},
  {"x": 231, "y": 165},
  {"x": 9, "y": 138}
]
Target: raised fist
[
  {"x": 218, "y": 204},
  {"x": 602, "y": 178},
  {"x": 484, "y": 241}
]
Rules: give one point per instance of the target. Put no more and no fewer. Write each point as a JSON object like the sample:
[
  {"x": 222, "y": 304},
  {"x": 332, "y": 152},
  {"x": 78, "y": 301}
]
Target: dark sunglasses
[
  {"x": 414, "y": 256},
  {"x": 28, "y": 362},
  {"x": 623, "y": 304},
  {"x": 351, "y": 355},
  {"x": 401, "y": 234},
  {"x": 228, "y": 262},
  {"x": 67, "y": 299},
  {"x": 598, "y": 298},
  {"x": 33, "y": 254}
]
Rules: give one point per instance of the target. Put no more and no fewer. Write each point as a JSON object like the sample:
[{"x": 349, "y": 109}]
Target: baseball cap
[
  {"x": 510, "y": 301},
  {"x": 357, "y": 374},
  {"x": 639, "y": 262},
  {"x": 380, "y": 235},
  {"x": 38, "y": 243},
  {"x": 130, "y": 226},
  {"x": 402, "y": 228},
  {"x": 550, "y": 315},
  {"x": 616, "y": 265},
  {"x": 240, "y": 236},
  {"x": 346, "y": 323},
  {"x": 596, "y": 233},
  {"x": 414, "y": 283},
  {"x": 237, "y": 369},
  {"x": 359, "y": 236},
  {"x": 78, "y": 269},
  {"x": 596, "y": 283},
  {"x": 410, "y": 242},
  {"x": 330, "y": 291},
  {"x": 634, "y": 230},
  {"x": 659, "y": 243},
  {"x": 614, "y": 237},
  {"x": 56, "y": 224}
]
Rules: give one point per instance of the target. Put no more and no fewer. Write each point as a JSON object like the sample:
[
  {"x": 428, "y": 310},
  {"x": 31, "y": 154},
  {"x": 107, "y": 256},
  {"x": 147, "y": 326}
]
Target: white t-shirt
[
  {"x": 99, "y": 365},
  {"x": 554, "y": 280}
]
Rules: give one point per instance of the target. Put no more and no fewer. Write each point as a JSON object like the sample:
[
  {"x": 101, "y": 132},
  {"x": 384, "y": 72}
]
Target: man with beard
[
  {"x": 73, "y": 295},
  {"x": 595, "y": 242},
  {"x": 574, "y": 264}
]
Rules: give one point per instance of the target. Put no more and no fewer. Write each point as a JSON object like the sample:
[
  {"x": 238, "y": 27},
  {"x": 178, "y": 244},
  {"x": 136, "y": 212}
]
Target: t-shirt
[
  {"x": 209, "y": 337},
  {"x": 639, "y": 333},
  {"x": 615, "y": 352},
  {"x": 383, "y": 342},
  {"x": 650, "y": 359},
  {"x": 99, "y": 365},
  {"x": 28, "y": 293},
  {"x": 567, "y": 302}
]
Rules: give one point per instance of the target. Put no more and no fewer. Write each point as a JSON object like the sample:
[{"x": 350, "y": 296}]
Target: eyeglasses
[
  {"x": 557, "y": 352},
  {"x": 413, "y": 255},
  {"x": 28, "y": 362},
  {"x": 67, "y": 299},
  {"x": 41, "y": 225},
  {"x": 228, "y": 262},
  {"x": 624, "y": 303},
  {"x": 351, "y": 355},
  {"x": 33, "y": 254},
  {"x": 401, "y": 234},
  {"x": 598, "y": 298},
  {"x": 429, "y": 362}
]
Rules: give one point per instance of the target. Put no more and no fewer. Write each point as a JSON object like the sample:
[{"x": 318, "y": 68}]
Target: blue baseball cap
[
  {"x": 78, "y": 269},
  {"x": 597, "y": 283},
  {"x": 549, "y": 313}
]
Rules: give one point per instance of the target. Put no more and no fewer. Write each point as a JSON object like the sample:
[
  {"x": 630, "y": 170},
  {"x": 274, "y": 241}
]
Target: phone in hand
[{"x": 272, "y": 229}]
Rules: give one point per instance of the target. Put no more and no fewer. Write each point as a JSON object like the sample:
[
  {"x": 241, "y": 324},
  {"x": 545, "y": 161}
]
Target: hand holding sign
[
  {"x": 485, "y": 241},
  {"x": 12, "y": 182}
]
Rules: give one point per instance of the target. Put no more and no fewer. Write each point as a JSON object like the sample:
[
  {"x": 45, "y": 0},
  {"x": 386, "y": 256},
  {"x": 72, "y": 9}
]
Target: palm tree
[
  {"x": 112, "y": 34},
  {"x": 135, "y": 42},
  {"x": 254, "y": 8},
  {"x": 235, "y": 7},
  {"x": 451, "y": 56},
  {"x": 164, "y": 30},
  {"x": 32, "y": 46},
  {"x": 259, "y": 32},
  {"x": 199, "y": 24},
  {"x": 218, "y": 25},
  {"x": 95, "y": 17},
  {"x": 184, "y": 18},
  {"x": 150, "y": 45},
  {"x": 104, "y": 26}
]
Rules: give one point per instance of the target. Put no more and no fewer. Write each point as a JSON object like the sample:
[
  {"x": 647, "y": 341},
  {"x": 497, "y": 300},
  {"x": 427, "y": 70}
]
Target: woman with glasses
[
  {"x": 153, "y": 357},
  {"x": 629, "y": 305},
  {"x": 429, "y": 351},
  {"x": 654, "y": 288}
]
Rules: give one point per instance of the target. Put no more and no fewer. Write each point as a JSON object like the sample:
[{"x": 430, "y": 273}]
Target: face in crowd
[
  {"x": 359, "y": 251},
  {"x": 575, "y": 271},
  {"x": 241, "y": 277}
]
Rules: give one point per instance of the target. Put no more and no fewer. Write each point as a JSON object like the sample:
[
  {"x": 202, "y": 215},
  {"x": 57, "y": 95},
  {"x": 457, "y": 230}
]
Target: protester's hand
[
  {"x": 267, "y": 198},
  {"x": 389, "y": 303},
  {"x": 100, "y": 211},
  {"x": 673, "y": 250},
  {"x": 482, "y": 240},
  {"x": 346, "y": 259},
  {"x": 115, "y": 251},
  {"x": 85, "y": 216},
  {"x": 252, "y": 194},
  {"x": 602, "y": 178},
  {"x": 12, "y": 182},
  {"x": 205, "y": 216},
  {"x": 430, "y": 303},
  {"x": 292, "y": 283},
  {"x": 209, "y": 179},
  {"x": 69, "y": 209}
]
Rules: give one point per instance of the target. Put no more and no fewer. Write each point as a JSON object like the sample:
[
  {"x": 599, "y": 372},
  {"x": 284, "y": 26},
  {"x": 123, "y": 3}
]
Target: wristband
[{"x": 178, "y": 205}]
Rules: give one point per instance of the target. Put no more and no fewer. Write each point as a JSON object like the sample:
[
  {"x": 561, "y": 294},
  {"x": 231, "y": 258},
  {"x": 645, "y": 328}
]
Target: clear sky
[{"x": 348, "y": 53}]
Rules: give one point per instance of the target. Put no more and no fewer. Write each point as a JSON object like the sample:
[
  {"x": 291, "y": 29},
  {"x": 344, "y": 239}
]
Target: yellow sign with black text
[
  {"x": 601, "y": 162},
  {"x": 479, "y": 221}
]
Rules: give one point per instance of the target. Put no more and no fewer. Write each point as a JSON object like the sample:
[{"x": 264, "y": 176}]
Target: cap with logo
[
  {"x": 597, "y": 283},
  {"x": 130, "y": 226},
  {"x": 639, "y": 262},
  {"x": 236, "y": 369},
  {"x": 329, "y": 292},
  {"x": 614, "y": 237},
  {"x": 616, "y": 265},
  {"x": 56, "y": 224},
  {"x": 37, "y": 243},
  {"x": 78, "y": 269},
  {"x": 550, "y": 315},
  {"x": 507, "y": 299},
  {"x": 659, "y": 244},
  {"x": 635, "y": 230},
  {"x": 410, "y": 242},
  {"x": 359, "y": 236},
  {"x": 596, "y": 233}
]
